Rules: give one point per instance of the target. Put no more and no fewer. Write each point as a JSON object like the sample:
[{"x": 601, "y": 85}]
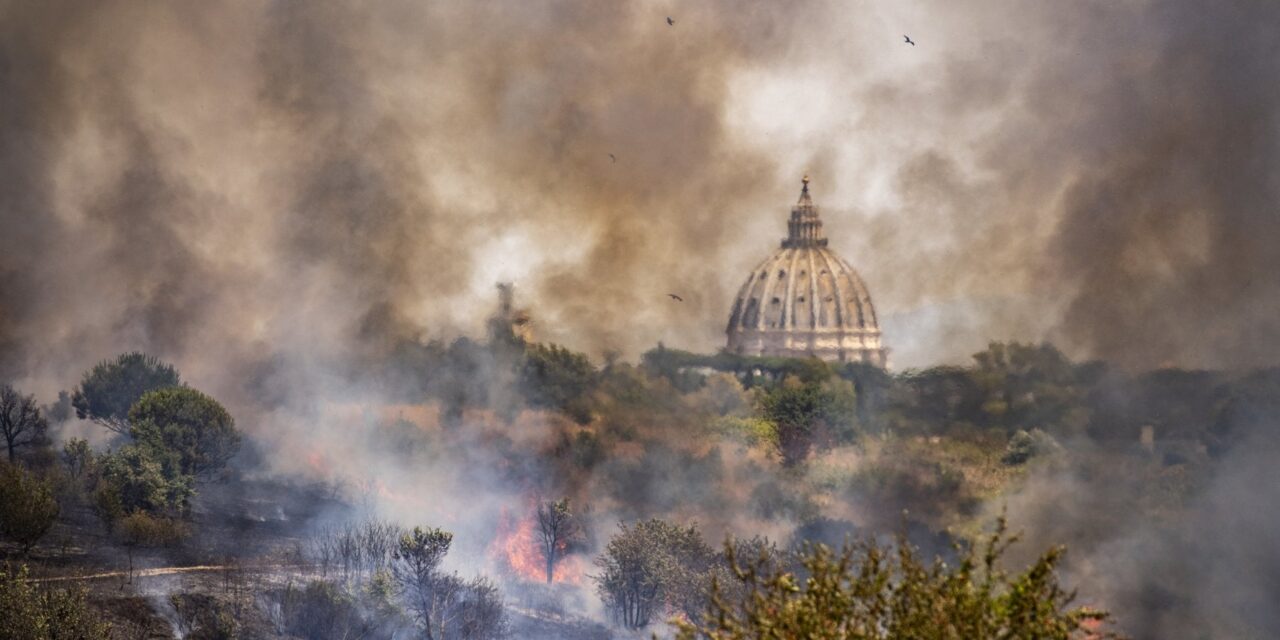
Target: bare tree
[
  {"x": 323, "y": 549},
  {"x": 347, "y": 551},
  {"x": 20, "y": 421},
  {"x": 378, "y": 540},
  {"x": 559, "y": 531}
]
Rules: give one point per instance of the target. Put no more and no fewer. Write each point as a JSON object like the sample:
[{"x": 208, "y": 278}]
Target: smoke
[
  {"x": 1167, "y": 568},
  {"x": 324, "y": 180},
  {"x": 274, "y": 195}
]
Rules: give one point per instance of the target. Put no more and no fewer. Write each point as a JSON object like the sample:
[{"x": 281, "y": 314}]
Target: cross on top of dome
[{"x": 804, "y": 229}]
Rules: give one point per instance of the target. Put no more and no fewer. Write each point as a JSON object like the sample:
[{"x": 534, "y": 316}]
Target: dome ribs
[
  {"x": 829, "y": 272},
  {"x": 770, "y": 316}
]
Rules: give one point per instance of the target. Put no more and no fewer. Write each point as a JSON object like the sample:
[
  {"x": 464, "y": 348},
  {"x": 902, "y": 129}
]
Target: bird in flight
[
  {"x": 907, "y": 40},
  {"x": 670, "y": 22},
  {"x": 675, "y": 297},
  {"x": 613, "y": 158}
]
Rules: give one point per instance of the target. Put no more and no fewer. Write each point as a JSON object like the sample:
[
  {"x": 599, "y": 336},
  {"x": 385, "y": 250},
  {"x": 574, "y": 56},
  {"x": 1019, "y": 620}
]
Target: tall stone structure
[
  {"x": 510, "y": 321},
  {"x": 804, "y": 300}
]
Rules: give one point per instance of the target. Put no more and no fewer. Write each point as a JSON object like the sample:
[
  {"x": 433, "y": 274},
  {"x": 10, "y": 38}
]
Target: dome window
[
  {"x": 800, "y": 299},
  {"x": 802, "y": 274},
  {"x": 776, "y": 301}
]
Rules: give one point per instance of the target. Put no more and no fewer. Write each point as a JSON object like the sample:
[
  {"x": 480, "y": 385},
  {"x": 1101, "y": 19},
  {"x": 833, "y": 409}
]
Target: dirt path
[{"x": 165, "y": 571}]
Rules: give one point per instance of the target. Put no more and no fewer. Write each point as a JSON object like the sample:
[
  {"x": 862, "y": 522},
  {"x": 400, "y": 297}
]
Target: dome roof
[{"x": 804, "y": 300}]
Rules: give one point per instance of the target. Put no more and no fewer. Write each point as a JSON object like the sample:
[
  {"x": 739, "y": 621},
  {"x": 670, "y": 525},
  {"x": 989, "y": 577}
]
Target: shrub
[
  {"x": 752, "y": 431},
  {"x": 30, "y": 613},
  {"x": 135, "y": 480},
  {"x": 1025, "y": 445},
  {"x": 140, "y": 529},
  {"x": 865, "y": 591}
]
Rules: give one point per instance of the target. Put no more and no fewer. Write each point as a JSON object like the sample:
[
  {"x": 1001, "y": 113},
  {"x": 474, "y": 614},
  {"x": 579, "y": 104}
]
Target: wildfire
[
  {"x": 518, "y": 549},
  {"x": 317, "y": 462}
]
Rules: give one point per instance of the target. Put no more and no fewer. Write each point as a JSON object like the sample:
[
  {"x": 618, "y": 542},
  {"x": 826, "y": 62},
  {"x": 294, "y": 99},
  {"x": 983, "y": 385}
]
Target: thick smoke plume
[
  {"x": 186, "y": 180},
  {"x": 272, "y": 195}
]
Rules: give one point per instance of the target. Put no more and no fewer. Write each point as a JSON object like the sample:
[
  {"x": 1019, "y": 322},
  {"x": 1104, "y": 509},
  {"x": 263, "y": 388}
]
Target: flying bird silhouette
[
  {"x": 676, "y": 297},
  {"x": 611, "y": 157},
  {"x": 908, "y": 41},
  {"x": 670, "y": 22}
]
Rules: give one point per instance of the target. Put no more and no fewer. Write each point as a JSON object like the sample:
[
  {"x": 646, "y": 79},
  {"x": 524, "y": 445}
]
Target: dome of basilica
[{"x": 804, "y": 300}]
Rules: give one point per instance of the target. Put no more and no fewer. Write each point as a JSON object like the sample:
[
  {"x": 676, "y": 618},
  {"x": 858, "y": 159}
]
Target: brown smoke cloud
[{"x": 238, "y": 188}]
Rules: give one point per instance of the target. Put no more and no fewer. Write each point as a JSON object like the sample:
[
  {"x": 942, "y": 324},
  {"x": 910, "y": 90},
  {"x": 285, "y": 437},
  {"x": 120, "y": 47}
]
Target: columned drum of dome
[{"x": 804, "y": 300}]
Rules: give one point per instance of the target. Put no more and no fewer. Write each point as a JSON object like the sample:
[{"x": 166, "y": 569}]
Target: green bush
[
  {"x": 28, "y": 612},
  {"x": 873, "y": 593},
  {"x": 752, "y": 431},
  {"x": 132, "y": 479}
]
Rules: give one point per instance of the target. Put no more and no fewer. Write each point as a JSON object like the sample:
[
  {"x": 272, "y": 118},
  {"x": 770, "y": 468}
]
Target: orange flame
[{"x": 517, "y": 548}]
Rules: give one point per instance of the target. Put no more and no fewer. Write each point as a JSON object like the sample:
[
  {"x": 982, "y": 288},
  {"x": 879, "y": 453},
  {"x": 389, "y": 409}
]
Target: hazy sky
[{"x": 220, "y": 183}]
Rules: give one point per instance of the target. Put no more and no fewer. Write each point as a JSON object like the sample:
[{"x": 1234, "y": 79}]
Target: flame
[
  {"x": 518, "y": 550},
  {"x": 318, "y": 462}
]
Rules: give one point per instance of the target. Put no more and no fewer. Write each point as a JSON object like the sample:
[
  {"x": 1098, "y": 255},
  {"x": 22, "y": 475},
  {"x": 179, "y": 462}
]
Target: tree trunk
[{"x": 551, "y": 563}]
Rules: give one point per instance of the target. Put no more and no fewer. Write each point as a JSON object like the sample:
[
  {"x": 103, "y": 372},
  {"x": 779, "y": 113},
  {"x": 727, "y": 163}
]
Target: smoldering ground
[{"x": 273, "y": 196}]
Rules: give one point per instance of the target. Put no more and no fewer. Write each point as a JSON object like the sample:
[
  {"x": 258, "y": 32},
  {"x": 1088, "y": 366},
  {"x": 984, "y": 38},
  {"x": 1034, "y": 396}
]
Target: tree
[
  {"x": 187, "y": 425},
  {"x": 110, "y": 388},
  {"x": 77, "y": 456},
  {"x": 559, "y": 531},
  {"x": 653, "y": 568},
  {"x": 27, "y": 507},
  {"x": 557, "y": 378},
  {"x": 20, "y": 421},
  {"x": 865, "y": 591},
  {"x": 806, "y": 413},
  {"x": 445, "y": 605},
  {"x": 140, "y": 529},
  {"x": 28, "y": 612},
  {"x": 416, "y": 569}
]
